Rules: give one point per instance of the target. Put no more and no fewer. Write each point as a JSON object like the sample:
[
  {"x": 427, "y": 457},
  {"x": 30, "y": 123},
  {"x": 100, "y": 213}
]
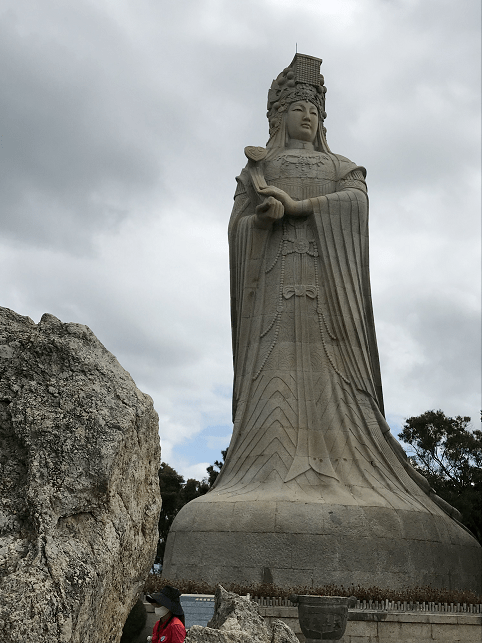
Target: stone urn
[{"x": 322, "y": 618}]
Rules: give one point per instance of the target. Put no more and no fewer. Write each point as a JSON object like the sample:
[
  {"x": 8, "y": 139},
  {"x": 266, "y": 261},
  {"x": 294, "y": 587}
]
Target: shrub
[{"x": 427, "y": 594}]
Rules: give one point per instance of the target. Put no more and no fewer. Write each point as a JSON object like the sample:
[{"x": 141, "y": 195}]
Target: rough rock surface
[
  {"x": 236, "y": 619},
  {"x": 79, "y": 493}
]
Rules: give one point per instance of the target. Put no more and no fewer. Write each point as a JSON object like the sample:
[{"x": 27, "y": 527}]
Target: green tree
[
  {"x": 193, "y": 489},
  {"x": 175, "y": 493},
  {"x": 449, "y": 454},
  {"x": 170, "y": 484},
  {"x": 211, "y": 470}
]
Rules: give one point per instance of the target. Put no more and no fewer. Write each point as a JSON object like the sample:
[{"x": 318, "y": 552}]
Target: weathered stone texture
[
  {"x": 79, "y": 493},
  {"x": 236, "y": 620},
  {"x": 379, "y": 626},
  {"x": 340, "y": 545}
]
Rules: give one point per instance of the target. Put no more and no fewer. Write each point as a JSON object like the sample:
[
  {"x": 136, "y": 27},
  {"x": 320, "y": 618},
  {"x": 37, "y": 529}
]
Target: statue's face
[{"x": 302, "y": 121}]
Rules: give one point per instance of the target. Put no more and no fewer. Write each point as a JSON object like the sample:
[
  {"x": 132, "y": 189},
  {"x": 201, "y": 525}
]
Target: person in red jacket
[{"x": 170, "y": 626}]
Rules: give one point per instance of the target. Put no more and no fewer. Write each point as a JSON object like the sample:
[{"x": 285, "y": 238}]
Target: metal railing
[{"x": 385, "y": 605}]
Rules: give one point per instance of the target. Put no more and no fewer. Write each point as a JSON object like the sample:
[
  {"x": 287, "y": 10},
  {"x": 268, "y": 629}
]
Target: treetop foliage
[
  {"x": 444, "y": 446},
  {"x": 212, "y": 473},
  {"x": 176, "y": 492},
  {"x": 448, "y": 452}
]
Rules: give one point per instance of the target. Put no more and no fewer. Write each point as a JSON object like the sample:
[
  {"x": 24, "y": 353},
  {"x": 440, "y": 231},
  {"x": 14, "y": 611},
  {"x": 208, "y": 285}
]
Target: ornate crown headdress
[{"x": 300, "y": 81}]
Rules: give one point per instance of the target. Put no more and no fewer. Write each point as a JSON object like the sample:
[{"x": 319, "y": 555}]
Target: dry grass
[{"x": 155, "y": 583}]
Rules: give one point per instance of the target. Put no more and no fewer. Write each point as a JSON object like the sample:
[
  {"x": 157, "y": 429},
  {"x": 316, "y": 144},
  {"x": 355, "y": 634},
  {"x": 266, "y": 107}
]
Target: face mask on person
[{"x": 161, "y": 611}]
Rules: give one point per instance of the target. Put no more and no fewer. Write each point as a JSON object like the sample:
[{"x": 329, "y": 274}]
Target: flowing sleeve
[
  {"x": 246, "y": 251},
  {"x": 355, "y": 179},
  {"x": 341, "y": 221}
]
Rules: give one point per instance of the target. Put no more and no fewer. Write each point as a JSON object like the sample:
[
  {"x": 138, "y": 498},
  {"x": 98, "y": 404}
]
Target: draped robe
[
  {"x": 307, "y": 400},
  {"x": 314, "y": 487}
]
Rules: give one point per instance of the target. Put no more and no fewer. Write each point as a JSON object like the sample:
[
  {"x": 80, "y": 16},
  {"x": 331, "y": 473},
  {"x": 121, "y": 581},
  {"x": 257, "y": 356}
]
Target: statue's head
[{"x": 299, "y": 84}]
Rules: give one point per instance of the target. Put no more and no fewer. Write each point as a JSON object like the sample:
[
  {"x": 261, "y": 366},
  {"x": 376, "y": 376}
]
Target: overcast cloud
[{"x": 123, "y": 126}]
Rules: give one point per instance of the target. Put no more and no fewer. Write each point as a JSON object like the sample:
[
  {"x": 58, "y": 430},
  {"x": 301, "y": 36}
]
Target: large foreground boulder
[
  {"x": 236, "y": 619},
  {"x": 79, "y": 492}
]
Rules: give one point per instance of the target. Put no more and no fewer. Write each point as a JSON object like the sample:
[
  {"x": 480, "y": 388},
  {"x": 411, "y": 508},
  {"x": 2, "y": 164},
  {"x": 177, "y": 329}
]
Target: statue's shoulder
[
  {"x": 244, "y": 185},
  {"x": 345, "y": 166},
  {"x": 243, "y": 179},
  {"x": 342, "y": 159}
]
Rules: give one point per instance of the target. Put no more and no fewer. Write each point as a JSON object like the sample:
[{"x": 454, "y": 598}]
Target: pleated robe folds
[
  {"x": 315, "y": 489},
  {"x": 307, "y": 400}
]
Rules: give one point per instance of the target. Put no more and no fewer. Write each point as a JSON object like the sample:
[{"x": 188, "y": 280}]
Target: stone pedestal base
[{"x": 294, "y": 543}]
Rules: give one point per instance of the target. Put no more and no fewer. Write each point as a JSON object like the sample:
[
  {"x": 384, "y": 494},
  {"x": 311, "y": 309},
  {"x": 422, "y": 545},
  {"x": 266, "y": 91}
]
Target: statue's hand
[
  {"x": 291, "y": 207},
  {"x": 280, "y": 195},
  {"x": 268, "y": 212}
]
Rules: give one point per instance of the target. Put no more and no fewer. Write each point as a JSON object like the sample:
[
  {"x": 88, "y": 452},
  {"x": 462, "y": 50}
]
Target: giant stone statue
[{"x": 315, "y": 489}]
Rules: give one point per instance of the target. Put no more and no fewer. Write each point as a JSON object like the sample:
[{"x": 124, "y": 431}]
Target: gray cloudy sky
[{"x": 123, "y": 126}]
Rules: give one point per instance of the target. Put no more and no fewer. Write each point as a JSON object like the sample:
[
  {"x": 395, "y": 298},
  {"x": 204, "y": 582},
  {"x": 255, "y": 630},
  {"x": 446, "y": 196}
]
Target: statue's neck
[{"x": 295, "y": 144}]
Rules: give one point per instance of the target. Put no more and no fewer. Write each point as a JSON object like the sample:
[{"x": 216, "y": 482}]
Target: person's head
[
  {"x": 162, "y": 612},
  {"x": 167, "y": 603}
]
